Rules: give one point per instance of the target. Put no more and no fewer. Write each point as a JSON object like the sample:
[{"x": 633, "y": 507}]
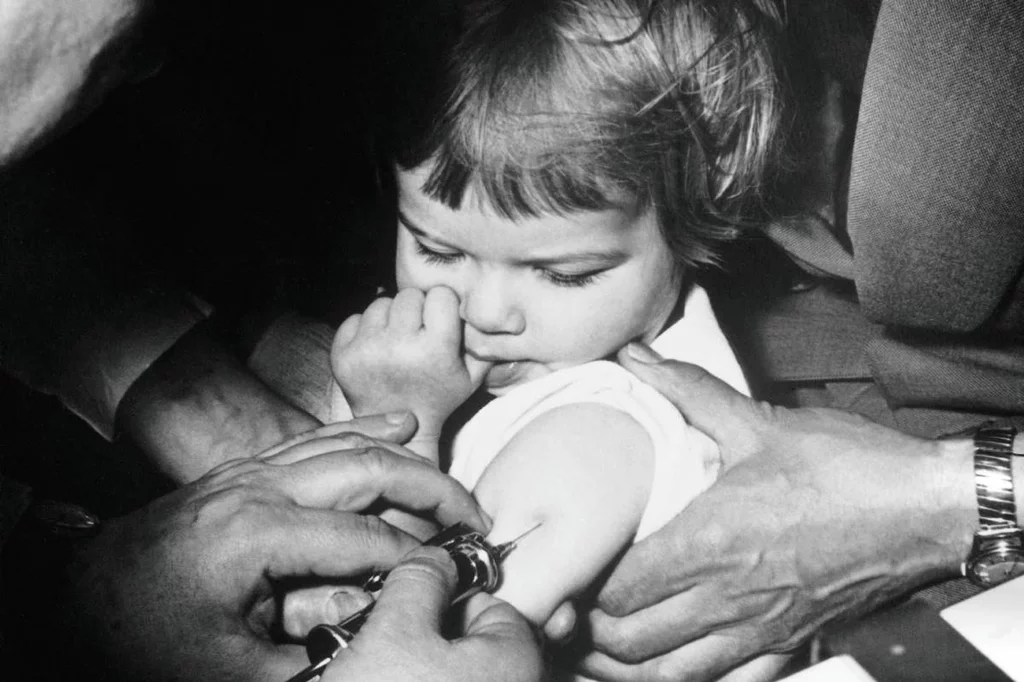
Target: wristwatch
[{"x": 997, "y": 553}]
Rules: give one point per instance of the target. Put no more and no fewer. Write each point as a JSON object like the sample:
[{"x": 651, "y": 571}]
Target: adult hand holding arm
[
  {"x": 818, "y": 514},
  {"x": 189, "y": 583}
]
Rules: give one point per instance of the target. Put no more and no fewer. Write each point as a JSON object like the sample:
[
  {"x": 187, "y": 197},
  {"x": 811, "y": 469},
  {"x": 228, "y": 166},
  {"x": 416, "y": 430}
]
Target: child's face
[{"x": 537, "y": 294}]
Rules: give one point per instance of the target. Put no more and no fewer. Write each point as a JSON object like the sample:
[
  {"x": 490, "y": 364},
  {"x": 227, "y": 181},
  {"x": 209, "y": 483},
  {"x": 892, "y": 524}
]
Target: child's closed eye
[
  {"x": 563, "y": 279},
  {"x": 435, "y": 257}
]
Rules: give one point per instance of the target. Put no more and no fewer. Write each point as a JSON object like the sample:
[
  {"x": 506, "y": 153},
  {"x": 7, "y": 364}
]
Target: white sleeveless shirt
[{"x": 686, "y": 461}]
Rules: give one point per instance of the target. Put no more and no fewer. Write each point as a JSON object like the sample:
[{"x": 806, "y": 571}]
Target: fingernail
[
  {"x": 641, "y": 352},
  {"x": 396, "y": 418}
]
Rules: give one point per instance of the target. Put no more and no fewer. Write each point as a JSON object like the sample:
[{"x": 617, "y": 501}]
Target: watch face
[{"x": 995, "y": 569}]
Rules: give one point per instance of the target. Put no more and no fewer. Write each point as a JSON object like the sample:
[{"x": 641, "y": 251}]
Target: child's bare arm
[
  {"x": 405, "y": 354},
  {"x": 584, "y": 472}
]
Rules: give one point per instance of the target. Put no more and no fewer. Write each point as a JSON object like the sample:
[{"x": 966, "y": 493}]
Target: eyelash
[
  {"x": 437, "y": 257},
  {"x": 558, "y": 279}
]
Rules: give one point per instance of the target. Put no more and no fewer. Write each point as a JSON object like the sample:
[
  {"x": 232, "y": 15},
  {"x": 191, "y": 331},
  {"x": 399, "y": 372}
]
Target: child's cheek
[
  {"x": 406, "y": 272},
  {"x": 412, "y": 274}
]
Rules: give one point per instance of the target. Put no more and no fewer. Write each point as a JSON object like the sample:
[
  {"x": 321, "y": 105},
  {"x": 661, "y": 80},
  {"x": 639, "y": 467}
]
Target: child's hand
[{"x": 405, "y": 354}]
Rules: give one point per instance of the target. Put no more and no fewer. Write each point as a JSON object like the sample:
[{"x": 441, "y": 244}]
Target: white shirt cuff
[{"x": 107, "y": 360}]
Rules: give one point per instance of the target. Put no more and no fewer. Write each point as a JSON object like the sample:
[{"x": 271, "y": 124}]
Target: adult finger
[
  {"x": 355, "y": 480},
  {"x": 290, "y": 541},
  {"x": 706, "y": 401},
  {"x": 416, "y": 594},
  {"x": 687, "y": 556},
  {"x": 501, "y": 638},
  {"x": 406, "y": 313},
  {"x": 705, "y": 659},
  {"x": 305, "y": 608},
  {"x": 441, "y": 315},
  {"x": 656, "y": 629},
  {"x": 396, "y": 427},
  {"x": 496, "y": 620},
  {"x": 353, "y": 443},
  {"x": 561, "y": 626},
  {"x": 670, "y": 550}
]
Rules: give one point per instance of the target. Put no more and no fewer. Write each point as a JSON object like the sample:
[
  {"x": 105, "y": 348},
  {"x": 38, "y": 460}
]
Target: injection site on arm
[{"x": 582, "y": 471}]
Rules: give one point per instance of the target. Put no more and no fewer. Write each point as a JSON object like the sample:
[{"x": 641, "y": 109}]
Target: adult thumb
[
  {"x": 417, "y": 594},
  {"x": 704, "y": 400},
  {"x": 395, "y": 427}
]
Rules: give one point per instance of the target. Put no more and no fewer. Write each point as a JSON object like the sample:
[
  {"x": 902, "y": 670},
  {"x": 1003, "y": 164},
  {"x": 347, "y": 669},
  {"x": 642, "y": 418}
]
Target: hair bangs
[
  {"x": 557, "y": 106},
  {"x": 541, "y": 167},
  {"x": 515, "y": 130}
]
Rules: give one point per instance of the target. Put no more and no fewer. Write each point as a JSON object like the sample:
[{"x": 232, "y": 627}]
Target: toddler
[{"x": 558, "y": 186}]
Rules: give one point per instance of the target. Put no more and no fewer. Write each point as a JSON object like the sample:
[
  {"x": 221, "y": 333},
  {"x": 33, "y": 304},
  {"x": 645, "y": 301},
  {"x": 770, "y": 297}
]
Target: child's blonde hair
[{"x": 566, "y": 105}]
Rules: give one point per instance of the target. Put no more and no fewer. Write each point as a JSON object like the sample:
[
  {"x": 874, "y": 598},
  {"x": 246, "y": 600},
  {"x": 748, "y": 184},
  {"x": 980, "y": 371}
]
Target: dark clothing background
[
  {"x": 909, "y": 302},
  {"x": 240, "y": 171}
]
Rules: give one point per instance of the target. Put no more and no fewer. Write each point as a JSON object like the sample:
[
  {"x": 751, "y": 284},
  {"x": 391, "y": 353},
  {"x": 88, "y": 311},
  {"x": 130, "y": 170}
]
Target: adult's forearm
[
  {"x": 57, "y": 59},
  {"x": 198, "y": 406}
]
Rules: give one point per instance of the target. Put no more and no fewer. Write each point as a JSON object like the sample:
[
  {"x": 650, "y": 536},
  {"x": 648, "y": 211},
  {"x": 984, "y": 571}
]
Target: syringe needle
[{"x": 504, "y": 549}]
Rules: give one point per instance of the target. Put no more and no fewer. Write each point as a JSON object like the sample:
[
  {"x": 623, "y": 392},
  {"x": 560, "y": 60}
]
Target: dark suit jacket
[{"x": 934, "y": 229}]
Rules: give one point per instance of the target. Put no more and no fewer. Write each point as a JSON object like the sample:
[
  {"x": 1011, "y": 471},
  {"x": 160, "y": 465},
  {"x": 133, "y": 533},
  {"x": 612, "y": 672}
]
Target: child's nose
[{"x": 489, "y": 305}]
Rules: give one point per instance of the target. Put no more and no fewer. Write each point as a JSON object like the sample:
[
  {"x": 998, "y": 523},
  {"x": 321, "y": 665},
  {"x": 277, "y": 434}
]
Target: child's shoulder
[
  {"x": 584, "y": 414},
  {"x": 594, "y": 383},
  {"x": 597, "y": 381}
]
